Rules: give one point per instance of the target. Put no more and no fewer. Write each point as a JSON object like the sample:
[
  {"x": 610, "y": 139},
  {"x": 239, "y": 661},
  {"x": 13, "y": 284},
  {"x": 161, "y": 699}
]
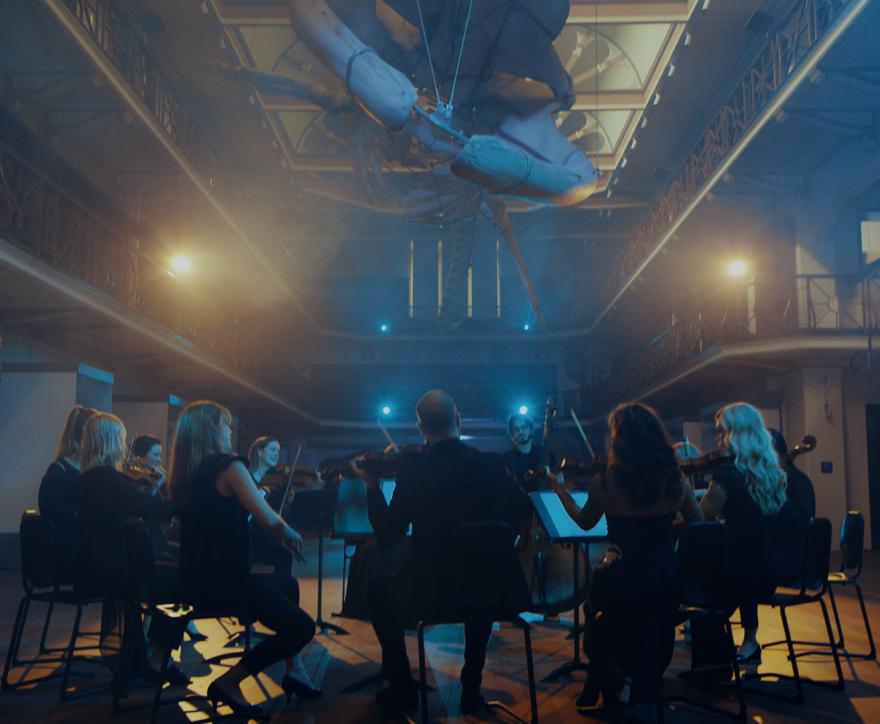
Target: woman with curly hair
[
  {"x": 630, "y": 611},
  {"x": 748, "y": 495}
]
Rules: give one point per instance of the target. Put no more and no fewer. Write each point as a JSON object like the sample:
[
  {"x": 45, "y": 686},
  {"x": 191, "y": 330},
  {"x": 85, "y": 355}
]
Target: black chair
[
  {"x": 40, "y": 581},
  {"x": 484, "y": 583},
  {"x": 813, "y": 583},
  {"x": 701, "y": 561},
  {"x": 174, "y": 616}
]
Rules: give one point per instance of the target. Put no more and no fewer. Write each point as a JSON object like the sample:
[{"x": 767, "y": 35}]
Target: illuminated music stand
[{"x": 561, "y": 528}]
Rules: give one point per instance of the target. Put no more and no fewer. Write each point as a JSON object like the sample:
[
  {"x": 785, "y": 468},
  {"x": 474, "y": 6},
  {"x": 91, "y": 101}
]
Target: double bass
[{"x": 547, "y": 566}]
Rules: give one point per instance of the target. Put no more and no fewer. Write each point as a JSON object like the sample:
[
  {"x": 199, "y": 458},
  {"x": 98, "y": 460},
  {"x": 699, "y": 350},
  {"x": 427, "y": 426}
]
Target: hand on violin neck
[{"x": 358, "y": 468}]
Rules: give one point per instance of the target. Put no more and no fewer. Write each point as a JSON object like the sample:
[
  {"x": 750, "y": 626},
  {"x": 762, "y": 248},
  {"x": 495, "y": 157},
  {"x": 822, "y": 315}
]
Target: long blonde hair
[
  {"x": 197, "y": 435},
  {"x": 71, "y": 434},
  {"x": 257, "y": 446},
  {"x": 743, "y": 433},
  {"x": 103, "y": 442}
]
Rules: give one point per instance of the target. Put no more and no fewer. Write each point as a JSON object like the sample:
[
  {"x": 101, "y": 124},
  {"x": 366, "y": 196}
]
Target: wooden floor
[{"x": 335, "y": 662}]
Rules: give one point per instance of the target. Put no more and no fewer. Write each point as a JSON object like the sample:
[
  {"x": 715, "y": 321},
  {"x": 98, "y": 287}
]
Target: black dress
[
  {"x": 215, "y": 567},
  {"x": 630, "y": 613},
  {"x": 57, "y": 501}
]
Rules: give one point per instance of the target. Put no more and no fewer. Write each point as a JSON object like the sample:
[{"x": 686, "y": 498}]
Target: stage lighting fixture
[
  {"x": 384, "y": 328},
  {"x": 181, "y": 264},
  {"x": 523, "y": 410},
  {"x": 737, "y": 268},
  {"x": 526, "y": 327},
  {"x": 386, "y": 410}
]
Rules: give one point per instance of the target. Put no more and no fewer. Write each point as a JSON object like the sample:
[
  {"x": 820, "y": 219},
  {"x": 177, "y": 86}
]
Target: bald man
[{"x": 448, "y": 484}]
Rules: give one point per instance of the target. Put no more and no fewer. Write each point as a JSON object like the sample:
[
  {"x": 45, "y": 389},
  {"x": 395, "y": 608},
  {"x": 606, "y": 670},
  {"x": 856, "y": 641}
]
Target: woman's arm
[
  {"x": 690, "y": 509},
  {"x": 586, "y": 517},
  {"x": 713, "y": 501},
  {"x": 235, "y": 480}
]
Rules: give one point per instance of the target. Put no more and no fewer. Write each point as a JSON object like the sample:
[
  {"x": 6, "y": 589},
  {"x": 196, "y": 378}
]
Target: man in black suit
[{"x": 438, "y": 489}]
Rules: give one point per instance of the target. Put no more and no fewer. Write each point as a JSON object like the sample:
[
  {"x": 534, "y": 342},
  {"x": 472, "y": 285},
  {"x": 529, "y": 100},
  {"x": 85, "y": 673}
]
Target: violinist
[
  {"x": 215, "y": 495},
  {"x": 686, "y": 452},
  {"x": 262, "y": 457},
  {"x": 525, "y": 455},
  {"x": 438, "y": 488},
  {"x": 748, "y": 495},
  {"x": 640, "y": 493},
  {"x": 145, "y": 459},
  {"x": 59, "y": 488}
]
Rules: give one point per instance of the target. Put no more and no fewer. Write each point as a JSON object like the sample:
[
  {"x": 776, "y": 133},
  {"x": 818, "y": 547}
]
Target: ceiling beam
[{"x": 267, "y": 15}]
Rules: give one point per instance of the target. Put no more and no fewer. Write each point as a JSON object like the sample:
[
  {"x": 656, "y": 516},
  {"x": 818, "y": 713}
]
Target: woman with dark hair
[
  {"x": 640, "y": 494},
  {"x": 215, "y": 495},
  {"x": 263, "y": 456}
]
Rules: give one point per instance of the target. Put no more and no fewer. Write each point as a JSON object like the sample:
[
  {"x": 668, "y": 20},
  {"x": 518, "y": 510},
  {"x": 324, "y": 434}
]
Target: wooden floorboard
[{"x": 335, "y": 662}]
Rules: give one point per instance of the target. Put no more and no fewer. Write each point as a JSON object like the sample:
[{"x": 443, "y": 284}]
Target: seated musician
[
  {"x": 146, "y": 452},
  {"x": 749, "y": 496},
  {"x": 525, "y": 455},
  {"x": 262, "y": 457},
  {"x": 446, "y": 485},
  {"x": 59, "y": 489},
  {"x": 215, "y": 494},
  {"x": 106, "y": 499},
  {"x": 640, "y": 494}
]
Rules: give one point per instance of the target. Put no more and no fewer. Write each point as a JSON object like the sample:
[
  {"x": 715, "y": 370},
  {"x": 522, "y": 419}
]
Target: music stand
[
  {"x": 317, "y": 505},
  {"x": 561, "y": 528}
]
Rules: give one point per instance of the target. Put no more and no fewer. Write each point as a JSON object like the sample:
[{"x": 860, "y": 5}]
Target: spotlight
[
  {"x": 523, "y": 410},
  {"x": 737, "y": 268},
  {"x": 181, "y": 264},
  {"x": 386, "y": 410},
  {"x": 526, "y": 327},
  {"x": 384, "y": 328}
]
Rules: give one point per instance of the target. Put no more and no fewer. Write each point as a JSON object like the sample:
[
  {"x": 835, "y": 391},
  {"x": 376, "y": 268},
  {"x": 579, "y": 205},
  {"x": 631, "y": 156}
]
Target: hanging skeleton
[{"x": 462, "y": 92}]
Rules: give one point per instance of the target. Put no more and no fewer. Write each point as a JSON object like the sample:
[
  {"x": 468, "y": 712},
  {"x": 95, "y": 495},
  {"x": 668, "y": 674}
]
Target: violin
[
  {"x": 279, "y": 475},
  {"x": 385, "y": 464},
  {"x": 145, "y": 478}
]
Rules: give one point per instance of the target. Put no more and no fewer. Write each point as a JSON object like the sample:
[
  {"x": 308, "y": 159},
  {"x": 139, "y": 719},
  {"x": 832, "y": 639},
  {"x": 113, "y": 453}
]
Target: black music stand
[
  {"x": 317, "y": 505},
  {"x": 562, "y": 529}
]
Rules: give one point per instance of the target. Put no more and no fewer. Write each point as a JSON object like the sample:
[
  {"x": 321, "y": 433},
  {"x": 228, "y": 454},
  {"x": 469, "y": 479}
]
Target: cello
[{"x": 547, "y": 566}]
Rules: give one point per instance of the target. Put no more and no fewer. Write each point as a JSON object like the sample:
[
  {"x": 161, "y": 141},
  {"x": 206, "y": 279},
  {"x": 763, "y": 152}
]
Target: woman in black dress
[
  {"x": 59, "y": 489},
  {"x": 263, "y": 456},
  {"x": 640, "y": 494},
  {"x": 215, "y": 495},
  {"x": 749, "y": 496}
]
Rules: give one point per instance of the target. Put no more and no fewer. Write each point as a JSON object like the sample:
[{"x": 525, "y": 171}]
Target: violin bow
[
  {"x": 577, "y": 424},
  {"x": 388, "y": 436},
  {"x": 281, "y": 505}
]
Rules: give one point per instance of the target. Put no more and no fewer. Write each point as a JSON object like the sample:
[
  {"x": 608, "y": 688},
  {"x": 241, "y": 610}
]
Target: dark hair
[
  {"x": 641, "y": 456},
  {"x": 779, "y": 444},
  {"x": 142, "y": 444},
  {"x": 519, "y": 416}
]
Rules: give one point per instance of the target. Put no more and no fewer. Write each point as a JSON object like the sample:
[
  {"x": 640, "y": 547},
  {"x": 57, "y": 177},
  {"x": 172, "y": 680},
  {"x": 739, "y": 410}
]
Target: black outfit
[
  {"x": 800, "y": 491},
  {"x": 265, "y": 548},
  {"x": 58, "y": 497},
  {"x": 215, "y": 566},
  {"x": 436, "y": 491},
  {"x": 630, "y": 613},
  {"x": 520, "y": 463}
]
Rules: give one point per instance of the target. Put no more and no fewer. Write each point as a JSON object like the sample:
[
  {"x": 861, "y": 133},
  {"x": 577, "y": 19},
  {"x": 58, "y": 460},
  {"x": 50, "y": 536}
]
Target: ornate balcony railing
[
  {"x": 815, "y": 304},
  {"x": 780, "y": 59}
]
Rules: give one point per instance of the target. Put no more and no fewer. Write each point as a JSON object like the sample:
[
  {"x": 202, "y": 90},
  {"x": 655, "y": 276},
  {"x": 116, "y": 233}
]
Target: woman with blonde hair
[
  {"x": 59, "y": 488},
  {"x": 215, "y": 495},
  {"x": 107, "y": 499},
  {"x": 749, "y": 495}
]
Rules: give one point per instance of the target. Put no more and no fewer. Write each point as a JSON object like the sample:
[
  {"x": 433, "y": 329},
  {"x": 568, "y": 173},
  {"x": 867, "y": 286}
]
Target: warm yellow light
[
  {"x": 737, "y": 268},
  {"x": 181, "y": 264}
]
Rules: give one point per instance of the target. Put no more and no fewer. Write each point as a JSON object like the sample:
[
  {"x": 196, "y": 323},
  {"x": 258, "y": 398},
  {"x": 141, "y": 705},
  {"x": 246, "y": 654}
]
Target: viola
[{"x": 385, "y": 464}]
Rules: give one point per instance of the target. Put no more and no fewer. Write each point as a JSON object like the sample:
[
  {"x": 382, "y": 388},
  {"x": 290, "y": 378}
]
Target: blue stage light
[
  {"x": 384, "y": 328},
  {"x": 523, "y": 410},
  {"x": 386, "y": 410},
  {"x": 526, "y": 327}
]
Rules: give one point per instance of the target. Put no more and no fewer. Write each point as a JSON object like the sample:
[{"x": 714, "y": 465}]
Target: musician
[
  {"x": 106, "y": 500},
  {"x": 640, "y": 494},
  {"x": 687, "y": 451},
  {"x": 215, "y": 495},
  {"x": 800, "y": 488},
  {"x": 262, "y": 457},
  {"x": 525, "y": 455},
  {"x": 748, "y": 495},
  {"x": 146, "y": 451},
  {"x": 59, "y": 489},
  {"x": 438, "y": 489}
]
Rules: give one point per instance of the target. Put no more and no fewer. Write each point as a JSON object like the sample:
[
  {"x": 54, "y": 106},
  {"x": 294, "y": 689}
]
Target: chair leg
[
  {"x": 157, "y": 693},
  {"x": 68, "y": 657},
  {"x": 43, "y": 649},
  {"x": 742, "y": 714},
  {"x": 841, "y": 644},
  {"x": 423, "y": 675},
  {"x": 840, "y": 681},
  {"x": 799, "y": 687},
  {"x": 15, "y": 641},
  {"x": 872, "y": 652},
  {"x": 533, "y": 696}
]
